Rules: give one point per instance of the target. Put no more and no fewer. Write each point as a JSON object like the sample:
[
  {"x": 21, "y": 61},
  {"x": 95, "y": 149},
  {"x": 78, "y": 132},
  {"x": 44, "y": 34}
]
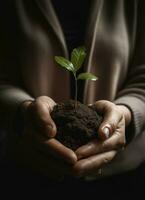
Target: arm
[
  {"x": 133, "y": 96},
  {"x": 10, "y": 99},
  {"x": 130, "y": 100},
  {"x": 23, "y": 56},
  {"x": 12, "y": 94}
]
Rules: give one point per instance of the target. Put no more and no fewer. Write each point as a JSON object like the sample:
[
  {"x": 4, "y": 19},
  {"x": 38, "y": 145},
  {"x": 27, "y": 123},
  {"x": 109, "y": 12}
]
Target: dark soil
[{"x": 75, "y": 126}]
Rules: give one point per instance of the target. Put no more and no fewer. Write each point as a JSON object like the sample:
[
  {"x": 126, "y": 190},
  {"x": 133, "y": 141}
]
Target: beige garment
[{"x": 31, "y": 36}]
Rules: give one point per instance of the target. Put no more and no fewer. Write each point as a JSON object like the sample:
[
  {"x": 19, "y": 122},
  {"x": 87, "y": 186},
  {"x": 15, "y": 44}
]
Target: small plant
[
  {"x": 76, "y": 123},
  {"x": 78, "y": 56}
]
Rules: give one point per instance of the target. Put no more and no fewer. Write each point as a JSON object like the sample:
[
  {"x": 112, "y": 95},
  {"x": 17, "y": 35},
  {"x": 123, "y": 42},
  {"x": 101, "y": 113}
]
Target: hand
[
  {"x": 38, "y": 149},
  {"x": 99, "y": 152}
]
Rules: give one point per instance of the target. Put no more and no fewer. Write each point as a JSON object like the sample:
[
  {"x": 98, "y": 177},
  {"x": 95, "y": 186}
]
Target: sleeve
[
  {"x": 133, "y": 96},
  {"x": 12, "y": 93},
  {"x": 133, "y": 92}
]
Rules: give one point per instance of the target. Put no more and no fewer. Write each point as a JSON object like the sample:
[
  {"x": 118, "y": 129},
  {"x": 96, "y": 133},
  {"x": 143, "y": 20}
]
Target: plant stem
[{"x": 76, "y": 90}]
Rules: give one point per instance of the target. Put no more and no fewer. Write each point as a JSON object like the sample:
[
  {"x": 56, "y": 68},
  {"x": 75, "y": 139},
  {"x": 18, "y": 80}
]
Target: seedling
[{"x": 78, "y": 56}]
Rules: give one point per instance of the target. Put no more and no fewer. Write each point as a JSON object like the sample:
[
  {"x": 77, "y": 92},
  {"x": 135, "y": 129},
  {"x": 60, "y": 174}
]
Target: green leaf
[
  {"x": 78, "y": 56},
  {"x": 87, "y": 76},
  {"x": 63, "y": 62}
]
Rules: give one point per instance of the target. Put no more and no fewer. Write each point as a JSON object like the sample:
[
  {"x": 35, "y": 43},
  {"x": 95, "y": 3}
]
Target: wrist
[
  {"x": 19, "y": 122},
  {"x": 127, "y": 113}
]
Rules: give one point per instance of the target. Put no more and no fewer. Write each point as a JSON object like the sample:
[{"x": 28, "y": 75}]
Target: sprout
[{"x": 78, "y": 56}]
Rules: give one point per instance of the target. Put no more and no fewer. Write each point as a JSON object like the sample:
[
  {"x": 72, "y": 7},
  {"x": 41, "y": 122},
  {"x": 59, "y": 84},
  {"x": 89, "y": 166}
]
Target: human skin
[
  {"x": 98, "y": 153},
  {"x": 57, "y": 159},
  {"x": 38, "y": 150}
]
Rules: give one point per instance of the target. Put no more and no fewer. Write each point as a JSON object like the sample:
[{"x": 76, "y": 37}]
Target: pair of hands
[{"x": 39, "y": 150}]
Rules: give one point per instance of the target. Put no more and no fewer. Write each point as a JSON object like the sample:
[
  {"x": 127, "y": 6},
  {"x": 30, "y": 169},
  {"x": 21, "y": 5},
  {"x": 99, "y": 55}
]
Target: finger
[
  {"x": 47, "y": 100},
  {"x": 87, "y": 166},
  {"x": 28, "y": 153},
  {"x": 40, "y": 163},
  {"x": 39, "y": 113},
  {"x": 116, "y": 141},
  {"x": 91, "y": 148},
  {"x": 53, "y": 147},
  {"x": 49, "y": 146},
  {"x": 111, "y": 118},
  {"x": 57, "y": 149}
]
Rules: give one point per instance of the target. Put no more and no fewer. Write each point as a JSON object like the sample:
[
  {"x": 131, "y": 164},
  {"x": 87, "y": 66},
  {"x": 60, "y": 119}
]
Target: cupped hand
[
  {"x": 111, "y": 134},
  {"x": 37, "y": 148}
]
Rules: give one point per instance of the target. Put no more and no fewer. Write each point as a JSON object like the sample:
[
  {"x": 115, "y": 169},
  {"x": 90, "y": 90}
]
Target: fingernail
[{"x": 106, "y": 132}]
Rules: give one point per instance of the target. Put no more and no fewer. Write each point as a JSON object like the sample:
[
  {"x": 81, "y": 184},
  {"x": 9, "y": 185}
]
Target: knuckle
[
  {"x": 109, "y": 157},
  {"x": 106, "y": 146},
  {"x": 104, "y": 104},
  {"x": 118, "y": 115},
  {"x": 121, "y": 143},
  {"x": 31, "y": 106},
  {"x": 112, "y": 127},
  {"x": 38, "y": 102},
  {"x": 119, "y": 112},
  {"x": 115, "y": 110},
  {"x": 110, "y": 105},
  {"x": 39, "y": 113},
  {"x": 101, "y": 102},
  {"x": 106, "y": 160},
  {"x": 34, "y": 108},
  {"x": 119, "y": 135}
]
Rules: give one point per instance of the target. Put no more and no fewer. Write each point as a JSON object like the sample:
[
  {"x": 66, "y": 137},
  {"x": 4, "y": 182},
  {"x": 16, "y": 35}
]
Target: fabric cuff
[{"x": 137, "y": 108}]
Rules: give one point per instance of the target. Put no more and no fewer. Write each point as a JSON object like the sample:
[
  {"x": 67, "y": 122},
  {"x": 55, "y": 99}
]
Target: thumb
[
  {"x": 109, "y": 124},
  {"x": 39, "y": 112},
  {"x": 105, "y": 131},
  {"x": 111, "y": 118}
]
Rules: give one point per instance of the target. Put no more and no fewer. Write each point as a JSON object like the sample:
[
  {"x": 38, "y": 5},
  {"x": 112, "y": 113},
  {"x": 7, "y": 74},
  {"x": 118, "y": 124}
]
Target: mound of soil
[{"x": 75, "y": 125}]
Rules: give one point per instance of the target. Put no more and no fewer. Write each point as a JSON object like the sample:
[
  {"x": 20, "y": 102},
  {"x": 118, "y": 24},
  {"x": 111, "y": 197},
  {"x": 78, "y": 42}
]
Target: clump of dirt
[{"x": 76, "y": 125}]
